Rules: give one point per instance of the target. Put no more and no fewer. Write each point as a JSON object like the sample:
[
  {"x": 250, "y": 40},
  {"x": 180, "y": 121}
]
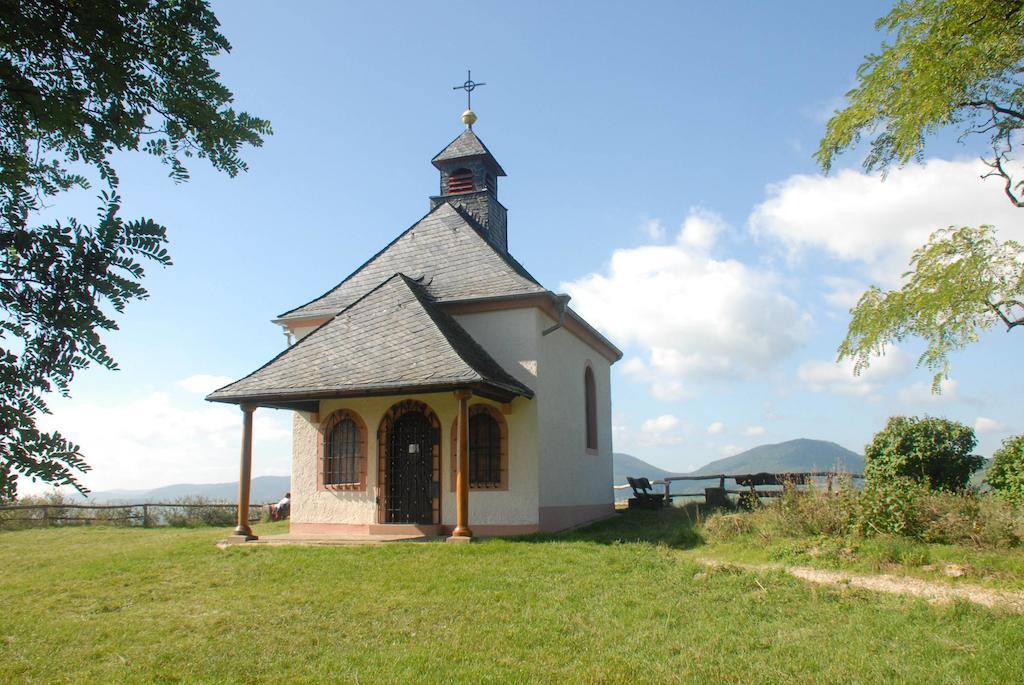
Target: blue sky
[{"x": 660, "y": 171}]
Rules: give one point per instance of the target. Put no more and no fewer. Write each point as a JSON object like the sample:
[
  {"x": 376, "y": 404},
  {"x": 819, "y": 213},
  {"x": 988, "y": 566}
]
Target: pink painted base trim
[
  {"x": 494, "y": 530},
  {"x": 297, "y": 528},
  {"x": 479, "y": 531},
  {"x": 560, "y": 518}
]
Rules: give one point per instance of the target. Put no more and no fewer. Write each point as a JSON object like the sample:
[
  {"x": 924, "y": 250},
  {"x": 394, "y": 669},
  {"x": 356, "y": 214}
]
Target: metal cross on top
[{"x": 469, "y": 86}]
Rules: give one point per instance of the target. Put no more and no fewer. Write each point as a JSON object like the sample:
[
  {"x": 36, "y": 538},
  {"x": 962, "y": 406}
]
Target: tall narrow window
[
  {"x": 343, "y": 463},
  {"x": 590, "y": 399},
  {"x": 484, "y": 451},
  {"x": 460, "y": 181}
]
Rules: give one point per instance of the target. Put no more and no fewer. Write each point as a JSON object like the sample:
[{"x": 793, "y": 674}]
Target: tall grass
[{"x": 967, "y": 518}]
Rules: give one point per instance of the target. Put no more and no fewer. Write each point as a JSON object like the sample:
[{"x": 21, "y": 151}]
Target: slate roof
[
  {"x": 447, "y": 249},
  {"x": 392, "y": 339},
  {"x": 466, "y": 145}
]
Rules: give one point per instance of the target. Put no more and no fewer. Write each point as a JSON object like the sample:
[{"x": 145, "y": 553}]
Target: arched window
[
  {"x": 343, "y": 452},
  {"x": 590, "y": 400},
  {"x": 488, "y": 449},
  {"x": 460, "y": 181}
]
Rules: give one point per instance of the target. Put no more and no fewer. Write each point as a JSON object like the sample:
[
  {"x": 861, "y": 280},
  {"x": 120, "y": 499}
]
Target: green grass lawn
[
  {"x": 681, "y": 528},
  {"x": 623, "y": 601}
]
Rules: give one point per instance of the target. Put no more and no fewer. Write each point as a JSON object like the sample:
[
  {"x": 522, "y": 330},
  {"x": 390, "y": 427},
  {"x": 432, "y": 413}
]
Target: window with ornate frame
[
  {"x": 488, "y": 448},
  {"x": 341, "y": 452},
  {"x": 590, "y": 400}
]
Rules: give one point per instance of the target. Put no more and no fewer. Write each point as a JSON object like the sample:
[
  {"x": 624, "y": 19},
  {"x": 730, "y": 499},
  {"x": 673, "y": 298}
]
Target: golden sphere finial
[{"x": 469, "y": 118}]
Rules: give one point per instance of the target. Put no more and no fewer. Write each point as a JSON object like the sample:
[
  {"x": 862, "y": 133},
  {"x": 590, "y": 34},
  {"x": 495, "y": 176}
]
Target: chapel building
[{"x": 440, "y": 388}]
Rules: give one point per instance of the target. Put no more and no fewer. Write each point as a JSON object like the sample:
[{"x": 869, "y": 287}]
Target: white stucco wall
[{"x": 572, "y": 476}]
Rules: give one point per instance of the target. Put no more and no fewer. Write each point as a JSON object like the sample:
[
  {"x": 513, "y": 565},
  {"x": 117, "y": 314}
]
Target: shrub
[
  {"x": 931, "y": 451},
  {"x": 889, "y": 505},
  {"x": 32, "y": 518},
  {"x": 1006, "y": 475},
  {"x": 898, "y": 509},
  {"x": 205, "y": 515},
  {"x": 795, "y": 514}
]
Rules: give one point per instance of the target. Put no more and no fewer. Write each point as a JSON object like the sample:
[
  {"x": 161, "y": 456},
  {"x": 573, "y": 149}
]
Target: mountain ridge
[
  {"x": 790, "y": 456},
  {"x": 264, "y": 489}
]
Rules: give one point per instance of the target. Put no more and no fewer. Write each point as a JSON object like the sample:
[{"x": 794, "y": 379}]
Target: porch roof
[{"x": 393, "y": 340}]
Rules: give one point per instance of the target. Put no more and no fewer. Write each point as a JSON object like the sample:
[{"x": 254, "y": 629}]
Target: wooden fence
[
  {"x": 147, "y": 514},
  {"x": 752, "y": 484},
  {"x": 751, "y": 481}
]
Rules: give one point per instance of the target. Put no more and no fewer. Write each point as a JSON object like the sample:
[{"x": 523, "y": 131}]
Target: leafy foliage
[
  {"x": 1006, "y": 475},
  {"x": 952, "y": 63},
  {"x": 930, "y": 451},
  {"x": 888, "y": 506},
  {"x": 78, "y": 82},
  {"x": 961, "y": 282}
]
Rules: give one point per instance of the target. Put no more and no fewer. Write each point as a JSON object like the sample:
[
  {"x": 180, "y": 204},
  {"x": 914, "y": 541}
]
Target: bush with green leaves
[
  {"x": 889, "y": 506},
  {"x": 199, "y": 511},
  {"x": 1006, "y": 475},
  {"x": 932, "y": 451}
]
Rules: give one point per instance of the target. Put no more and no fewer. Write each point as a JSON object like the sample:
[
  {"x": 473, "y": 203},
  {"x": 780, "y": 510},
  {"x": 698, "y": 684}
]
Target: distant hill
[
  {"x": 627, "y": 465},
  {"x": 264, "y": 489},
  {"x": 791, "y": 456}
]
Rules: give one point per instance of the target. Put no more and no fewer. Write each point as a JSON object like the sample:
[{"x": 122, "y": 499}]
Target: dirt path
[{"x": 938, "y": 593}]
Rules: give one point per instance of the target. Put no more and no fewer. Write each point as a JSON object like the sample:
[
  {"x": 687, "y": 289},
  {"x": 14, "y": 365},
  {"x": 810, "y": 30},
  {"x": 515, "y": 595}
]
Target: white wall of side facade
[{"x": 576, "y": 486}]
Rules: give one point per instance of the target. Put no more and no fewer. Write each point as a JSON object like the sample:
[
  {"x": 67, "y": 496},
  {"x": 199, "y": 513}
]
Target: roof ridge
[
  {"x": 482, "y": 232},
  {"x": 364, "y": 264},
  {"x": 473, "y": 138}
]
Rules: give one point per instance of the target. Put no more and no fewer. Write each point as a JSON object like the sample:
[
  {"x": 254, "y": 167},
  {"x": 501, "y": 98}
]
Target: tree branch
[
  {"x": 1010, "y": 323},
  {"x": 996, "y": 108}
]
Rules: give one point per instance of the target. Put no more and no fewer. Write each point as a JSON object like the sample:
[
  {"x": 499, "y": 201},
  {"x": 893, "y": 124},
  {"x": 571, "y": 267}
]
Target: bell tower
[{"x": 469, "y": 178}]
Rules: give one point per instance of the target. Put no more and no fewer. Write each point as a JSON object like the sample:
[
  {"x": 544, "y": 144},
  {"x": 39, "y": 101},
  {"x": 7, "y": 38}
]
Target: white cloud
[
  {"x": 753, "y": 431},
  {"x": 716, "y": 428},
  {"x": 151, "y": 441},
  {"x": 983, "y": 424},
  {"x": 729, "y": 450},
  {"x": 838, "y": 378},
  {"x": 203, "y": 384},
  {"x": 843, "y": 293},
  {"x": 921, "y": 393},
  {"x": 653, "y": 229},
  {"x": 660, "y": 431},
  {"x": 668, "y": 390},
  {"x": 701, "y": 229},
  {"x": 663, "y": 423},
  {"x": 860, "y": 218},
  {"x": 695, "y": 317}
]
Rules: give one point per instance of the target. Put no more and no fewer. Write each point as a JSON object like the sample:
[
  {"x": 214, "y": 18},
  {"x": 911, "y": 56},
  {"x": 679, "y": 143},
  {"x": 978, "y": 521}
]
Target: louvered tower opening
[{"x": 460, "y": 181}]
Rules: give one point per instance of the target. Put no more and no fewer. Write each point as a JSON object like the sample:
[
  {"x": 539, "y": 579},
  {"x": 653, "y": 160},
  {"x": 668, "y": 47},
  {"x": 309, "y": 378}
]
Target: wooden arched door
[{"x": 410, "y": 464}]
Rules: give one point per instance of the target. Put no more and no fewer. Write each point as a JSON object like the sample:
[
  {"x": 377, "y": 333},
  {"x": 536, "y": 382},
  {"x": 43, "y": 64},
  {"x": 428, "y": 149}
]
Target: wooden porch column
[
  {"x": 245, "y": 475},
  {"x": 462, "y": 531}
]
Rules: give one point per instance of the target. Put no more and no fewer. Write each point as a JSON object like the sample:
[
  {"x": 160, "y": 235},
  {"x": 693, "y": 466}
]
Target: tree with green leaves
[
  {"x": 950, "y": 63},
  {"x": 1006, "y": 474},
  {"x": 961, "y": 282},
  {"x": 80, "y": 81},
  {"x": 931, "y": 451}
]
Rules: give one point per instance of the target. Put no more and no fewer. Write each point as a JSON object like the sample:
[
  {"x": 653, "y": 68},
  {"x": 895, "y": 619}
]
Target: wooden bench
[{"x": 643, "y": 495}]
